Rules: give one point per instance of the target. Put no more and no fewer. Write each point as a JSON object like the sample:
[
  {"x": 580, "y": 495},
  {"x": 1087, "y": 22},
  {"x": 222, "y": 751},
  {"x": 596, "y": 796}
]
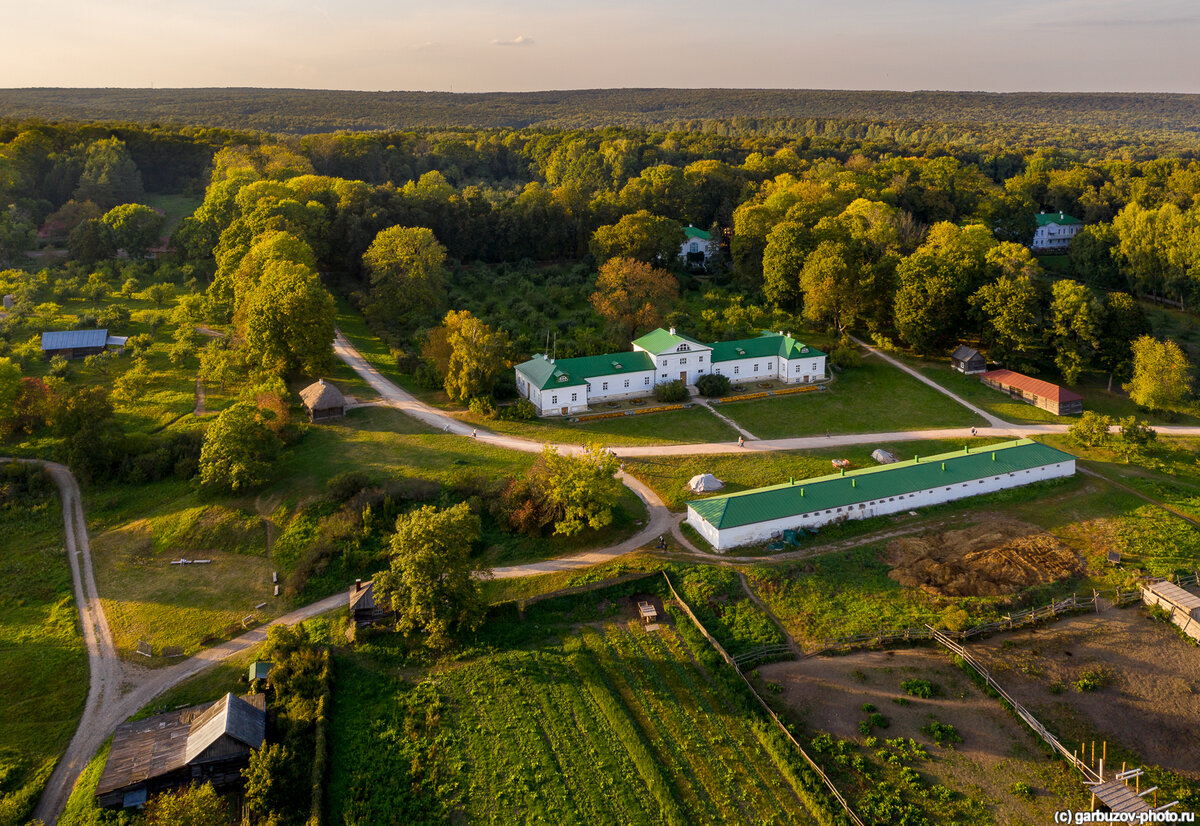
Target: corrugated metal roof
[
  {"x": 1029, "y": 384},
  {"x": 230, "y": 716},
  {"x": 73, "y": 339},
  {"x": 545, "y": 374},
  {"x": 870, "y": 484}
]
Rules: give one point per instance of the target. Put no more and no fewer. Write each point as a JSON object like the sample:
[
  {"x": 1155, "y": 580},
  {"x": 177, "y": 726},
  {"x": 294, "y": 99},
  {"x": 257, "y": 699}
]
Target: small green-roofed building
[
  {"x": 1055, "y": 231},
  {"x": 696, "y": 245},
  {"x": 758, "y": 515},
  {"x": 259, "y": 669}
]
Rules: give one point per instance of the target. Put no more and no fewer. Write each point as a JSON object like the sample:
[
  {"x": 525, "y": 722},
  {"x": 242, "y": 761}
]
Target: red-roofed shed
[{"x": 1033, "y": 391}]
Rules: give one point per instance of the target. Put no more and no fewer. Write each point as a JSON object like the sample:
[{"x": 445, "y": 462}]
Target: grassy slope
[
  {"x": 872, "y": 398},
  {"x": 42, "y": 655}
]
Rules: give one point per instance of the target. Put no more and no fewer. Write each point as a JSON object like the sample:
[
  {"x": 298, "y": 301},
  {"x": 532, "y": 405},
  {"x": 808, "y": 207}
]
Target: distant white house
[
  {"x": 1055, "y": 231},
  {"x": 696, "y": 247},
  {"x": 561, "y": 387}
]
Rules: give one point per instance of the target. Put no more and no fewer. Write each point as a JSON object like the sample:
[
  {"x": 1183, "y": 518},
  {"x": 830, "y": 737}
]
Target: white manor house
[{"x": 565, "y": 386}]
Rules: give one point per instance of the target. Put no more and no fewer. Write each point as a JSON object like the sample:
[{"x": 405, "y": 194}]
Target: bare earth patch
[
  {"x": 992, "y": 557},
  {"x": 996, "y": 750},
  {"x": 1150, "y": 702}
]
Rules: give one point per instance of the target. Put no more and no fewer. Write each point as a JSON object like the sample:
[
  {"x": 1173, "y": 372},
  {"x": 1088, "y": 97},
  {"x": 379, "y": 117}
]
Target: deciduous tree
[
  {"x": 645, "y": 237},
  {"x": 476, "y": 356},
  {"x": 192, "y": 806},
  {"x": 432, "y": 582},
  {"x": 407, "y": 273},
  {"x": 1161, "y": 374},
  {"x": 238, "y": 448},
  {"x": 287, "y": 320},
  {"x": 583, "y": 488},
  {"x": 1075, "y": 317},
  {"x": 135, "y": 228},
  {"x": 633, "y": 295}
]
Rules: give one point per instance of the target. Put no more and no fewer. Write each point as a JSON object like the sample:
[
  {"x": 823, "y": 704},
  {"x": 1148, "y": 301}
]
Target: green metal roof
[
  {"x": 838, "y": 491},
  {"x": 545, "y": 374},
  {"x": 693, "y": 232},
  {"x": 768, "y": 344},
  {"x": 660, "y": 340},
  {"x": 1060, "y": 218}
]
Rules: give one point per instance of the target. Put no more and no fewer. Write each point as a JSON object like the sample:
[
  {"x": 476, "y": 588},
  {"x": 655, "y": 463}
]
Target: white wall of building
[
  {"x": 790, "y": 371},
  {"x": 623, "y": 386},
  {"x": 1055, "y": 236},
  {"x": 687, "y": 361},
  {"x": 764, "y": 531}
]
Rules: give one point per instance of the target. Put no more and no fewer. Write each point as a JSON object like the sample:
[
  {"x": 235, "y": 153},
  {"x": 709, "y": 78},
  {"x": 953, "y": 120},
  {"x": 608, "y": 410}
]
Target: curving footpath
[{"x": 117, "y": 689}]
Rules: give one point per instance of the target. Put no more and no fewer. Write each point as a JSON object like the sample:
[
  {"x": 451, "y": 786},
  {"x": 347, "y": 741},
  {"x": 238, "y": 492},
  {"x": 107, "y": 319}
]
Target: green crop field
[
  {"x": 42, "y": 656},
  {"x": 608, "y": 725},
  {"x": 875, "y": 397}
]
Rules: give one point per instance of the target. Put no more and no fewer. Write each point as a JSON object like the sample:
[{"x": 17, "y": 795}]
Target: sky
[{"x": 525, "y": 45}]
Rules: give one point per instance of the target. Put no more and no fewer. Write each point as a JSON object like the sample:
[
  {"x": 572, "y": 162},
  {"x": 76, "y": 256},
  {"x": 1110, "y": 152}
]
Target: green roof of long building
[
  {"x": 768, "y": 344},
  {"x": 1060, "y": 218},
  {"x": 872, "y": 484},
  {"x": 543, "y": 373},
  {"x": 657, "y": 341}
]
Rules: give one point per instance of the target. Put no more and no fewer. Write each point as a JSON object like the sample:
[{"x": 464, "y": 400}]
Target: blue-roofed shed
[{"x": 74, "y": 343}]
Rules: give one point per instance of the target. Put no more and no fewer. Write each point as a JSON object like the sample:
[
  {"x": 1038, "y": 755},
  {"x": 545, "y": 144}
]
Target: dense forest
[{"x": 1017, "y": 119}]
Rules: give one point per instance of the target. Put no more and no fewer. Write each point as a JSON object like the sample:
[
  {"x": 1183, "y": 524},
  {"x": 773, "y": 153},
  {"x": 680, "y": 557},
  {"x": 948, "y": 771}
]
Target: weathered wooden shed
[
  {"x": 1033, "y": 391},
  {"x": 364, "y": 610},
  {"x": 205, "y": 743},
  {"x": 323, "y": 401},
  {"x": 968, "y": 360},
  {"x": 1183, "y": 605}
]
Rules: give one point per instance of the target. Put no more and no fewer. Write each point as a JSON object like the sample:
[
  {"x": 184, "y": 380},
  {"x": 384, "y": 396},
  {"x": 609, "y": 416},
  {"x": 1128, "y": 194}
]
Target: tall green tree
[
  {"x": 1010, "y": 307},
  {"x": 406, "y": 266},
  {"x": 17, "y": 233},
  {"x": 640, "y": 235},
  {"x": 833, "y": 294},
  {"x": 1075, "y": 317},
  {"x": 238, "y": 448},
  {"x": 110, "y": 176},
  {"x": 788, "y": 244},
  {"x": 1162, "y": 377},
  {"x": 10, "y": 387},
  {"x": 1123, "y": 321},
  {"x": 287, "y": 321},
  {"x": 476, "y": 356},
  {"x": 432, "y": 583},
  {"x": 135, "y": 228},
  {"x": 583, "y": 488}
]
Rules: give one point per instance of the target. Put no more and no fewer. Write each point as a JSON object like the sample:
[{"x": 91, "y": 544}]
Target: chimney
[
  {"x": 357, "y": 585},
  {"x": 672, "y": 331}
]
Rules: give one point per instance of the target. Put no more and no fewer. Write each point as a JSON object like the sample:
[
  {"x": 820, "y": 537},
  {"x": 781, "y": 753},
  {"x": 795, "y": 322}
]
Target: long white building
[
  {"x": 755, "y": 516},
  {"x": 565, "y": 386}
]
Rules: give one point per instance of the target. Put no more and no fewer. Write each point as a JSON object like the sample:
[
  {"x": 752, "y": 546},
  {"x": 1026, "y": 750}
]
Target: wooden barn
[
  {"x": 363, "y": 608},
  {"x": 323, "y": 401},
  {"x": 205, "y": 743},
  {"x": 74, "y": 344},
  {"x": 1033, "y": 391},
  {"x": 968, "y": 360}
]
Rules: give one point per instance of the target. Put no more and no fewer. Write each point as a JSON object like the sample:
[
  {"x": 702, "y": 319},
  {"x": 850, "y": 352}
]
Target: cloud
[{"x": 519, "y": 40}]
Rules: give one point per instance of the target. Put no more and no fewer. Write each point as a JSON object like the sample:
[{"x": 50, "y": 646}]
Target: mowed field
[{"x": 609, "y": 725}]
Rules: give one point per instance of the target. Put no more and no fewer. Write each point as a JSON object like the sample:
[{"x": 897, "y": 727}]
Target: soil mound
[{"x": 991, "y": 558}]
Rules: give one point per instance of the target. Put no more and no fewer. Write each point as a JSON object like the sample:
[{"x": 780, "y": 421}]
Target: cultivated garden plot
[
  {"x": 889, "y": 710},
  {"x": 610, "y": 724},
  {"x": 1118, "y": 676}
]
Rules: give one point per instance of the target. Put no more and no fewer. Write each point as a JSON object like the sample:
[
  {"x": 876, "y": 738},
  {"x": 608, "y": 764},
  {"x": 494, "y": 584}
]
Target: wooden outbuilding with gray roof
[
  {"x": 323, "y": 401},
  {"x": 205, "y": 743}
]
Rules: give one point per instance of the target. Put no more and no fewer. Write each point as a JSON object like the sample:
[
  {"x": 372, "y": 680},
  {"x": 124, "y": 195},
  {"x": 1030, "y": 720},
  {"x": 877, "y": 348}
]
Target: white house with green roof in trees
[
  {"x": 562, "y": 387},
  {"x": 695, "y": 246},
  {"x": 1055, "y": 231}
]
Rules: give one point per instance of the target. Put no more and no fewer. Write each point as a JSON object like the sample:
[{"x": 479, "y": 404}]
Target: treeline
[{"x": 1056, "y": 118}]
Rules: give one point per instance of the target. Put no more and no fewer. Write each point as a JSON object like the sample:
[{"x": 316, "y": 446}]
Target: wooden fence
[
  {"x": 770, "y": 711},
  {"x": 1022, "y": 712}
]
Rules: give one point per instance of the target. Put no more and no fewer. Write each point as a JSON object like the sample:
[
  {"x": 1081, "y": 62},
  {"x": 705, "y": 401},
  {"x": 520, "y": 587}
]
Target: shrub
[
  {"x": 671, "y": 392},
  {"x": 522, "y": 411},
  {"x": 346, "y": 485},
  {"x": 1057, "y": 687},
  {"x": 1021, "y": 790},
  {"x": 427, "y": 377},
  {"x": 713, "y": 385},
  {"x": 845, "y": 355},
  {"x": 943, "y": 734},
  {"x": 1091, "y": 430},
  {"x": 868, "y": 708},
  {"x": 1092, "y": 680},
  {"x": 774, "y": 688},
  {"x": 482, "y": 406},
  {"x": 59, "y": 366},
  {"x": 920, "y": 688}
]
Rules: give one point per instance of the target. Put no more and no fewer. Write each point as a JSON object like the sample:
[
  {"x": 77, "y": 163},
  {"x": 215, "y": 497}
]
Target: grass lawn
[
  {"x": 176, "y": 206},
  {"x": 138, "y": 530},
  {"x": 669, "y": 475},
  {"x": 81, "y": 808},
  {"x": 866, "y": 399},
  {"x": 42, "y": 655}
]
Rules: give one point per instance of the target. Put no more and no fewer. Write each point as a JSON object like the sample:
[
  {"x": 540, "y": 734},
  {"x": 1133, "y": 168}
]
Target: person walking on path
[
  {"x": 474, "y": 433},
  {"x": 741, "y": 442}
]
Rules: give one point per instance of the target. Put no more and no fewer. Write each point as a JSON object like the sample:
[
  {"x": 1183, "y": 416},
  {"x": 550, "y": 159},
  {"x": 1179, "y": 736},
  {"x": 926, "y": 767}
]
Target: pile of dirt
[{"x": 991, "y": 558}]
